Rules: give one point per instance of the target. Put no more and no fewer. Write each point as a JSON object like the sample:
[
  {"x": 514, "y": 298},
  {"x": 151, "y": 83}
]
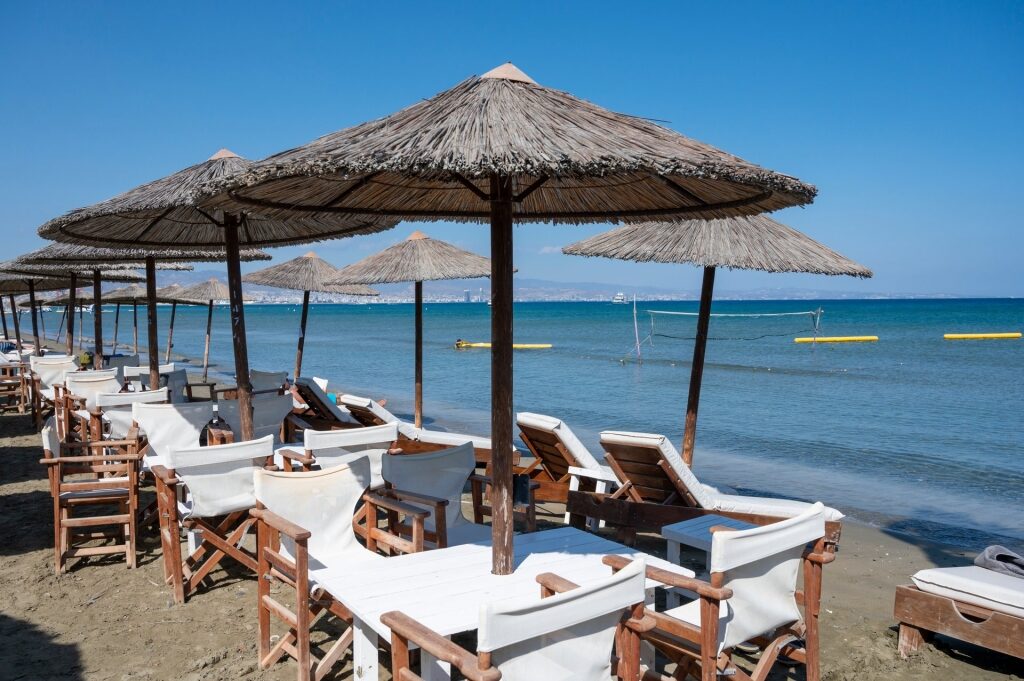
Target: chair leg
[
  {"x": 910, "y": 641},
  {"x": 58, "y": 536}
]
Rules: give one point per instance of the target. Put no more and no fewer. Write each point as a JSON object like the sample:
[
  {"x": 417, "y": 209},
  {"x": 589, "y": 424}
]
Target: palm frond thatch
[
  {"x": 163, "y": 215},
  {"x": 748, "y": 243},
  {"x": 127, "y": 271},
  {"x": 211, "y": 289},
  {"x": 58, "y": 253},
  {"x": 417, "y": 258},
  {"x": 308, "y": 272},
  {"x": 569, "y": 160}
]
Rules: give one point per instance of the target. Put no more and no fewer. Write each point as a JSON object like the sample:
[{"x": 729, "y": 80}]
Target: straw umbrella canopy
[
  {"x": 205, "y": 293},
  {"x": 500, "y": 148},
  {"x": 419, "y": 258},
  {"x": 306, "y": 273},
  {"x": 165, "y": 214},
  {"x": 746, "y": 243}
]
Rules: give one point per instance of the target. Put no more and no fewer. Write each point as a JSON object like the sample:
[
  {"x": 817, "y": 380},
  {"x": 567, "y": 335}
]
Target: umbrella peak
[
  {"x": 310, "y": 254},
  {"x": 509, "y": 71},
  {"x": 223, "y": 153},
  {"x": 416, "y": 236}
]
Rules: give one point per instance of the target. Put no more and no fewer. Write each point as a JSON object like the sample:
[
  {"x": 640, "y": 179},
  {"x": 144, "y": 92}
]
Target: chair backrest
[
  {"x": 638, "y": 456},
  {"x": 174, "y": 379},
  {"x": 220, "y": 478},
  {"x": 171, "y": 426},
  {"x": 322, "y": 502},
  {"x": 543, "y": 433},
  {"x": 440, "y": 474},
  {"x": 316, "y": 398},
  {"x": 51, "y": 371},
  {"x": 568, "y": 636},
  {"x": 117, "y": 408},
  {"x": 267, "y": 380},
  {"x": 760, "y": 565},
  {"x": 51, "y": 441},
  {"x": 366, "y": 411},
  {"x": 119, "y": 362},
  {"x": 337, "y": 447},
  {"x": 268, "y": 413},
  {"x": 87, "y": 384}
]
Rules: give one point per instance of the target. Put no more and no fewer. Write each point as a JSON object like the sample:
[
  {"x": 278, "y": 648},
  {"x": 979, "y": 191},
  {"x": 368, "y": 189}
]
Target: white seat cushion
[
  {"x": 557, "y": 427},
  {"x": 976, "y": 586},
  {"x": 97, "y": 493},
  {"x": 784, "y": 508}
]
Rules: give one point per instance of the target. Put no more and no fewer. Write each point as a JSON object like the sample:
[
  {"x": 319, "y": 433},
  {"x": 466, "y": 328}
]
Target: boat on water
[
  {"x": 466, "y": 345},
  {"x": 619, "y": 299}
]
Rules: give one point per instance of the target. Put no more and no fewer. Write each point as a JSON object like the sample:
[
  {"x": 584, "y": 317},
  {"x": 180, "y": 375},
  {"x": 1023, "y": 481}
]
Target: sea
[{"x": 913, "y": 433}]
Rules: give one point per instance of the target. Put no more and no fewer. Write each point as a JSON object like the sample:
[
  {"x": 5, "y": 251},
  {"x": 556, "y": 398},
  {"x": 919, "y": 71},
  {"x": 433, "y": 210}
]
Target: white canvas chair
[
  {"x": 114, "y": 410},
  {"x": 753, "y": 595},
  {"x": 568, "y": 633},
  {"x": 47, "y": 373},
  {"x": 79, "y": 398},
  {"x": 269, "y": 411},
  {"x": 210, "y": 490},
  {"x": 169, "y": 426},
  {"x": 119, "y": 362},
  {"x": 306, "y": 539},
  {"x": 13, "y": 383},
  {"x": 329, "y": 448}
]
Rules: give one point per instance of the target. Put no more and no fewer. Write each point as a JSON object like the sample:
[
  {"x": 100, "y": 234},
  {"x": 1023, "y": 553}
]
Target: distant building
[{"x": 467, "y": 295}]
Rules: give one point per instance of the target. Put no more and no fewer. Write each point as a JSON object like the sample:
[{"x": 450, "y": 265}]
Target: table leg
[
  {"x": 433, "y": 669},
  {"x": 574, "y": 486},
  {"x": 601, "y": 487},
  {"x": 364, "y": 651},
  {"x": 672, "y": 599},
  {"x": 646, "y": 648}
]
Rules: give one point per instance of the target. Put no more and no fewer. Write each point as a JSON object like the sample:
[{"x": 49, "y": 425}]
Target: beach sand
[{"x": 102, "y": 621}]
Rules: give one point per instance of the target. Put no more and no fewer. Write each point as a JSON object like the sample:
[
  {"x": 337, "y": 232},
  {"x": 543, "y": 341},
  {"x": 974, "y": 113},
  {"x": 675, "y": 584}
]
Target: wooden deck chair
[
  {"x": 569, "y": 633},
  {"x": 305, "y": 540},
  {"x": 112, "y": 415},
  {"x": 317, "y": 411},
  {"x": 752, "y": 596},
  {"x": 210, "y": 490},
  {"x": 556, "y": 450},
  {"x": 79, "y": 400},
  {"x": 652, "y": 471},
  {"x": 269, "y": 411},
  {"x": 434, "y": 481},
  {"x": 328, "y": 448},
  {"x": 968, "y": 603},
  {"x": 100, "y": 477},
  {"x": 13, "y": 384},
  {"x": 47, "y": 373}
]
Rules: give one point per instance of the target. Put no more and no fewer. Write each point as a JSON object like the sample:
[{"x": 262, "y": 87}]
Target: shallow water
[{"x": 914, "y": 433}]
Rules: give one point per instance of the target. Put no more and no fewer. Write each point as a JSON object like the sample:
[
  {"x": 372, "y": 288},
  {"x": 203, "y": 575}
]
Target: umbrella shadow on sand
[{"x": 31, "y": 653}]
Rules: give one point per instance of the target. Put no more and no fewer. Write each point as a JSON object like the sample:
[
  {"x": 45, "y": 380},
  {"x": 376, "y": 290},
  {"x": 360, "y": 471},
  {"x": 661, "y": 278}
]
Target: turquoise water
[{"x": 913, "y": 433}]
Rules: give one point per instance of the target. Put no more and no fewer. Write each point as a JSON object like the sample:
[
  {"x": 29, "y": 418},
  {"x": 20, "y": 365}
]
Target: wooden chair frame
[
  {"x": 97, "y": 469},
  {"x": 13, "y": 387},
  {"x": 311, "y": 605},
  {"x": 478, "y": 667},
  {"x": 551, "y": 464},
  {"x": 921, "y": 615}
]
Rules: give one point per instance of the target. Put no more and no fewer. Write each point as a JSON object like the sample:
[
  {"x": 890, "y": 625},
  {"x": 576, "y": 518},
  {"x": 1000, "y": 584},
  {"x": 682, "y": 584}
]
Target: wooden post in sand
[{"x": 697, "y": 368}]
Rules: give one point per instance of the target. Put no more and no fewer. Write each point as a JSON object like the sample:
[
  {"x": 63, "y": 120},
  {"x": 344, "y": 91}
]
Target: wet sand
[{"x": 102, "y": 621}]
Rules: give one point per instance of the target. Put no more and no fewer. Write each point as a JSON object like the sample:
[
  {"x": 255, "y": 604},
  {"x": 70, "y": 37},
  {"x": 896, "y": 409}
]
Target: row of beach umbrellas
[{"x": 497, "y": 149}]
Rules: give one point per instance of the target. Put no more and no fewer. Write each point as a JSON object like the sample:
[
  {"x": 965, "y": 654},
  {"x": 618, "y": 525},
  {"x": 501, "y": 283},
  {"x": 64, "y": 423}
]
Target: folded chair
[
  {"x": 652, "y": 471},
  {"x": 569, "y": 633},
  {"x": 306, "y": 540},
  {"x": 556, "y": 453},
  {"x": 968, "y": 603},
  {"x": 47, "y": 372},
  {"x": 210, "y": 490},
  {"x": 752, "y": 596},
  {"x": 434, "y": 482},
  {"x": 269, "y": 411},
  {"x": 101, "y": 477}
]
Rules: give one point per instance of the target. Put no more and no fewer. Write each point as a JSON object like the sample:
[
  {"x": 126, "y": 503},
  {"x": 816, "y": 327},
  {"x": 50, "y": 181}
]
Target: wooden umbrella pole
[
  {"x": 97, "y": 321},
  {"x": 16, "y": 318},
  {"x": 170, "y": 333},
  {"x": 135, "y": 324},
  {"x": 81, "y": 326},
  {"x": 302, "y": 333},
  {"x": 697, "y": 368},
  {"x": 35, "y": 319},
  {"x": 418, "y": 420},
  {"x": 42, "y": 324},
  {"x": 206, "y": 349},
  {"x": 60, "y": 327},
  {"x": 72, "y": 294},
  {"x": 151, "y": 350},
  {"x": 238, "y": 325},
  {"x": 117, "y": 318},
  {"x": 502, "y": 521},
  {"x": 3, "y": 315}
]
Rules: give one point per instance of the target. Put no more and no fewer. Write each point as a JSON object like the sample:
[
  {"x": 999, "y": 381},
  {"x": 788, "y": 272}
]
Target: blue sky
[{"x": 907, "y": 116}]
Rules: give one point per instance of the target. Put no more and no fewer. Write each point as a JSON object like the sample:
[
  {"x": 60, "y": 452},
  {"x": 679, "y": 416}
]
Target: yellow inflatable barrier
[
  {"x": 980, "y": 336},
  {"x": 463, "y": 345},
  {"x": 837, "y": 339}
]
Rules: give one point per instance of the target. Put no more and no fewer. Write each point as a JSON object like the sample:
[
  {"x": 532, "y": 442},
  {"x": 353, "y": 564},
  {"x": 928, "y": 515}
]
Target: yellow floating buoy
[
  {"x": 837, "y": 339},
  {"x": 462, "y": 345},
  {"x": 980, "y": 336}
]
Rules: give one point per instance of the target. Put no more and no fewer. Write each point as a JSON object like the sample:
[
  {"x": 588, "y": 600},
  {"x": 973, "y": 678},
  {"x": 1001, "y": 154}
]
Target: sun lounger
[
  {"x": 751, "y": 597},
  {"x": 306, "y": 541},
  {"x": 968, "y": 603},
  {"x": 317, "y": 411},
  {"x": 568, "y": 633}
]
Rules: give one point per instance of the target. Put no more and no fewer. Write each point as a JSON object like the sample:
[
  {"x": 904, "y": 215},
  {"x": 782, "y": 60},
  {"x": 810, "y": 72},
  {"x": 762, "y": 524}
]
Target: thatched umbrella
[
  {"x": 168, "y": 259},
  {"x": 165, "y": 214},
  {"x": 500, "y": 148},
  {"x": 419, "y": 258},
  {"x": 306, "y": 273},
  {"x": 207, "y": 293},
  {"x": 745, "y": 243}
]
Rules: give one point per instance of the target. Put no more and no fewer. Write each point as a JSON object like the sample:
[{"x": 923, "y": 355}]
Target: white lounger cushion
[
  {"x": 313, "y": 385},
  {"x": 976, "y": 586},
  {"x": 707, "y": 496},
  {"x": 557, "y": 427},
  {"x": 368, "y": 404}
]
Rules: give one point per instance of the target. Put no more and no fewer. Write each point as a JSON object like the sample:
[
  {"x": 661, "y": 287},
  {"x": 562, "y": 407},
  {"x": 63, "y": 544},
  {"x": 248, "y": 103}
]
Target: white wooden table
[
  {"x": 695, "y": 532},
  {"x": 443, "y": 589}
]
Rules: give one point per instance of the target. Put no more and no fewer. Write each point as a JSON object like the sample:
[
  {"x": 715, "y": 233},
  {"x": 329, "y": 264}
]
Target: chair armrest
[
  {"x": 667, "y": 578},
  {"x": 290, "y": 453},
  {"x": 285, "y": 527},
  {"x": 164, "y": 475},
  {"x": 555, "y": 584},
  {"x": 593, "y": 474},
  {"x": 403, "y": 495},
  {"x": 97, "y": 458},
  {"x": 482, "y": 479},
  {"x": 447, "y": 651},
  {"x": 823, "y": 558},
  {"x": 394, "y": 505}
]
